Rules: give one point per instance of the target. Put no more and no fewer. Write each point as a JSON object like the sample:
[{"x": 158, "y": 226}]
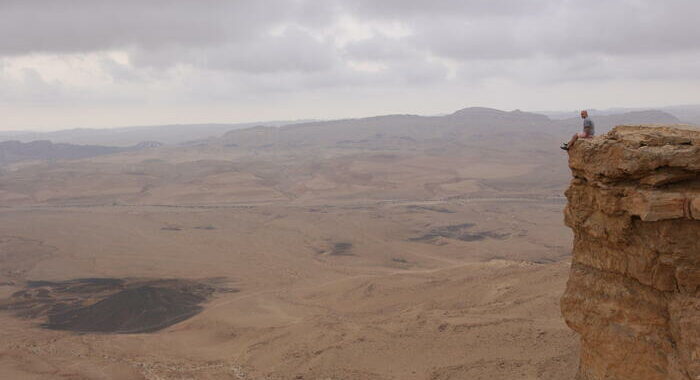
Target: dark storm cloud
[
  {"x": 235, "y": 34},
  {"x": 515, "y": 29},
  {"x": 28, "y": 26}
]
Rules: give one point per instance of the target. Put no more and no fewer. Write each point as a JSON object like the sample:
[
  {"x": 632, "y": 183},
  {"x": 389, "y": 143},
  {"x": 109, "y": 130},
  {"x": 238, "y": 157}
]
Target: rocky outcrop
[{"x": 634, "y": 289}]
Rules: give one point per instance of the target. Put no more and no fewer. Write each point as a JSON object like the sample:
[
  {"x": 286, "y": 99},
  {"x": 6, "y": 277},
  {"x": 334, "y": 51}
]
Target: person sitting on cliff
[{"x": 588, "y": 131}]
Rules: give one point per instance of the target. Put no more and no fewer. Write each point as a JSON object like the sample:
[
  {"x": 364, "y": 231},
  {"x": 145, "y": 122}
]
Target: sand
[{"x": 347, "y": 264}]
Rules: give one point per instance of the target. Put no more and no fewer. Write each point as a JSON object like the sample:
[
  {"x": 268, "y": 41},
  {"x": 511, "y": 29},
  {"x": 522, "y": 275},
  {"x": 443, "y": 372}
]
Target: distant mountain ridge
[
  {"x": 190, "y": 134},
  {"x": 16, "y": 151},
  {"x": 127, "y": 136},
  {"x": 687, "y": 114},
  {"x": 482, "y": 113},
  {"x": 473, "y": 125},
  {"x": 461, "y": 126}
]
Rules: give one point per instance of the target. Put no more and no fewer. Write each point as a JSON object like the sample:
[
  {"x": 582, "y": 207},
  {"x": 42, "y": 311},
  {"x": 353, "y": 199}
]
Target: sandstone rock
[
  {"x": 658, "y": 205},
  {"x": 634, "y": 290}
]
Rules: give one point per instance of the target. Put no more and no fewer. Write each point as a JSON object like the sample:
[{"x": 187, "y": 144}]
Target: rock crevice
[{"x": 634, "y": 289}]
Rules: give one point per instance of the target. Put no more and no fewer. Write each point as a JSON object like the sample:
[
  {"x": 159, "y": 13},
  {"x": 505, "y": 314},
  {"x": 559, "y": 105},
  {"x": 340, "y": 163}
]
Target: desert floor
[{"x": 349, "y": 265}]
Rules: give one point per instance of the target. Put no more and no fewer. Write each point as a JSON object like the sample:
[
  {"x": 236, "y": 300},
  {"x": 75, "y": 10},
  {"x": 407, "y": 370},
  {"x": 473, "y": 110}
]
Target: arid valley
[{"x": 382, "y": 248}]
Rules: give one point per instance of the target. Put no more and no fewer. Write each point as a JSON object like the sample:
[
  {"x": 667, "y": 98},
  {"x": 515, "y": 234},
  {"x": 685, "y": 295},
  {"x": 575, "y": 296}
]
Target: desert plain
[{"x": 379, "y": 259}]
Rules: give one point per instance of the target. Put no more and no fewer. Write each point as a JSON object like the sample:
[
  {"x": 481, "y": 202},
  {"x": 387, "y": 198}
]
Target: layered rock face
[{"x": 634, "y": 289}]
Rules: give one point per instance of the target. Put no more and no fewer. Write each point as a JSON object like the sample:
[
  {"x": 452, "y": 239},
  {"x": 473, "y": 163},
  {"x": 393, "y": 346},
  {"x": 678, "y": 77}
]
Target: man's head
[{"x": 584, "y": 114}]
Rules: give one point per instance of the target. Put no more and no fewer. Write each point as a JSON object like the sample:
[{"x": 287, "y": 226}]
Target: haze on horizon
[{"x": 66, "y": 63}]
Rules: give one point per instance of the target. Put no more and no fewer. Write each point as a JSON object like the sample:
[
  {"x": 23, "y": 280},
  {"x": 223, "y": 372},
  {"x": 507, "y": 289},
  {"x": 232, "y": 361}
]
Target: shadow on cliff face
[{"x": 109, "y": 305}]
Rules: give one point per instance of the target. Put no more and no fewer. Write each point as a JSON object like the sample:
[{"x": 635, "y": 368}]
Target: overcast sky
[{"x": 100, "y": 63}]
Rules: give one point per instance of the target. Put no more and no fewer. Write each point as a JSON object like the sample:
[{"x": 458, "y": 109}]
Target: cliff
[{"x": 634, "y": 289}]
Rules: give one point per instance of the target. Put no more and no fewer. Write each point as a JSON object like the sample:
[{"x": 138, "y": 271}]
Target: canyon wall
[{"x": 634, "y": 289}]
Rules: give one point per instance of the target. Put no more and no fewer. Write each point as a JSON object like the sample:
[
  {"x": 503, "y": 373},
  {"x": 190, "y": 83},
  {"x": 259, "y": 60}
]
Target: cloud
[
  {"x": 179, "y": 51},
  {"x": 508, "y": 28},
  {"x": 29, "y": 87},
  {"x": 235, "y": 34},
  {"x": 381, "y": 48},
  {"x": 35, "y": 26},
  {"x": 292, "y": 49}
]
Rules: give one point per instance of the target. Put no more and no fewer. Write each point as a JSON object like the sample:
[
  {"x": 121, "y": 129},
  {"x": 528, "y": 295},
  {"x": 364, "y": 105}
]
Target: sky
[{"x": 98, "y": 63}]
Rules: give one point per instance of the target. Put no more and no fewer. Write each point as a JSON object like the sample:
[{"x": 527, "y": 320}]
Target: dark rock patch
[
  {"x": 108, "y": 305},
  {"x": 207, "y": 227},
  {"x": 341, "y": 249},
  {"x": 459, "y": 232},
  {"x": 430, "y": 208},
  {"x": 81, "y": 285},
  {"x": 335, "y": 249},
  {"x": 477, "y": 236},
  {"x": 142, "y": 309}
]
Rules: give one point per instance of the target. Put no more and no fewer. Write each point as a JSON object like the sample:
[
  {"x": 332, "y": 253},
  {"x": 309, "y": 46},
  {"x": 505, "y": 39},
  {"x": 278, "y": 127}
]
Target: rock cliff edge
[{"x": 634, "y": 289}]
